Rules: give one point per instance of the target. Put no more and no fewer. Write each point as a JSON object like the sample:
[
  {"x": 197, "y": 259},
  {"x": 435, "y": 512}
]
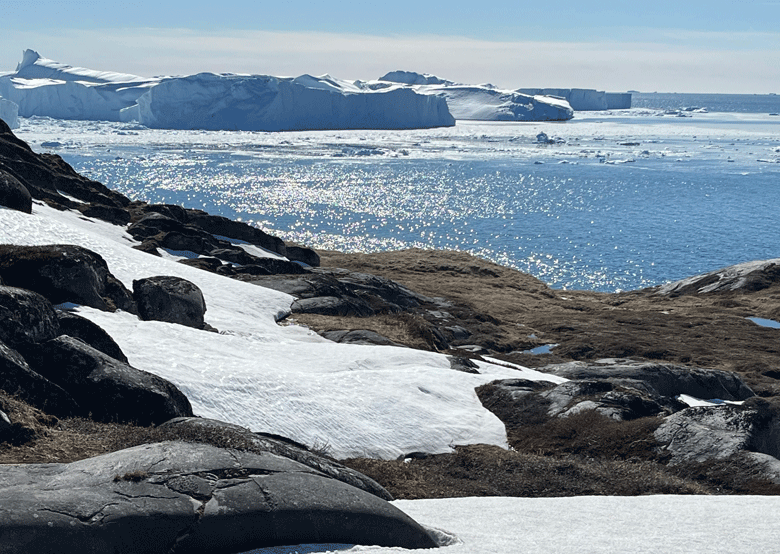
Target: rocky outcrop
[
  {"x": 46, "y": 175},
  {"x": 620, "y": 389},
  {"x": 749, "y": 277},
  {"x": 704, "y": 433},
  {"x": 235, "y": 434},
  {"x": 170, "y": 299},
  {"x": 658, "y": 379},
  {"x": 106, "y": 388},
  {"x": 63, "y": 273},
  {"x": 180, "y": 497}
]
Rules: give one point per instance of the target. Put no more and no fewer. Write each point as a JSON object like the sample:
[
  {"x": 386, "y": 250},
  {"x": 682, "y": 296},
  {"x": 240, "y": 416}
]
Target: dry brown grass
[{"x": 482, "y": 470}]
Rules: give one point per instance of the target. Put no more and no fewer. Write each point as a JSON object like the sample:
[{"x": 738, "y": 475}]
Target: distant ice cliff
[{"x": 44, "y": 87}]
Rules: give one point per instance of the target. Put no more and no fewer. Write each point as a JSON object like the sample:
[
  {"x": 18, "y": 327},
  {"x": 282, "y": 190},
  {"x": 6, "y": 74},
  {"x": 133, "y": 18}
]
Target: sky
[{"x": 664, "y": 46}]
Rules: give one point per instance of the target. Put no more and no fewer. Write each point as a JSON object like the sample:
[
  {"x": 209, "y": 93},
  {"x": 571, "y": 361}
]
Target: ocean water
[{"x": 611, "y": 201}]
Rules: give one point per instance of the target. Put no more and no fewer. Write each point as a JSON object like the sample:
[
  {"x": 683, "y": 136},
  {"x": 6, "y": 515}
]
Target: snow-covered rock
[
  {"x": 9, "y": 113},
  {"x": 44, "y": 87},
  {"x": 484, "y": 102}
]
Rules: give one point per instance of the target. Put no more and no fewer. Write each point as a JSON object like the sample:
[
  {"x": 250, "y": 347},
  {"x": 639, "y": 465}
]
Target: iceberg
[
  {"x": 582, "y": 99},
  {"x": 43, "y": 87},
  {"x": 484, "y": 102},
  {"x": 9, "y": 113},
  {"x": 265, "y": 103}
]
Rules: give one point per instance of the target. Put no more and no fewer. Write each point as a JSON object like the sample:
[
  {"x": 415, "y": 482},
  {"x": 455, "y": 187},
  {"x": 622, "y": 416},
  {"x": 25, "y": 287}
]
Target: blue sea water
[{"x": 618, "y": 201}]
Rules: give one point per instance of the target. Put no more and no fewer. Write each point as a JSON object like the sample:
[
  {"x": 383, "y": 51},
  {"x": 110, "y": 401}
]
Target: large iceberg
[
  {"x": 583, "y": 99},
  {"x": 265, "y": 103},
  {"x": 44, "y": 87},
  {"x": 484, "y": 102}
]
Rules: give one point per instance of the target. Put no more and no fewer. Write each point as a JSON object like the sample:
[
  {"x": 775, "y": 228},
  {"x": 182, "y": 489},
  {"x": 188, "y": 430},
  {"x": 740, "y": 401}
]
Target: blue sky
[{"x": 691, "y": 46}]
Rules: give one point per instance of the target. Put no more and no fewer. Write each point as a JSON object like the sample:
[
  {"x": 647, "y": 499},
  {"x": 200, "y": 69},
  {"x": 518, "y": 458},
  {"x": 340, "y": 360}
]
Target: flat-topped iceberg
[
  {"x": 44, "y": 87},
  {"x": 484, "y": 102},
  {"x": 583, "y": 99},
  {"x": 266, "y": 103}
]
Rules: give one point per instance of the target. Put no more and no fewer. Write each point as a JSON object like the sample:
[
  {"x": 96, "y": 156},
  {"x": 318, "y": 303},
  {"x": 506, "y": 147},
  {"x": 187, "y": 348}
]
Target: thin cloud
[{"x": 691, "y": 62}]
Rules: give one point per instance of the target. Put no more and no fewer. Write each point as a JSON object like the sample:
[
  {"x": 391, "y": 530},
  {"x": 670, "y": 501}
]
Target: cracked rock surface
[{"x": 176, "y": 497}]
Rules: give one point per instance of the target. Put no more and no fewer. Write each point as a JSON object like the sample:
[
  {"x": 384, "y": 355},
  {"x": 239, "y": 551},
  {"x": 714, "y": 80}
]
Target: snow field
[{"x": 374, "y": 401}]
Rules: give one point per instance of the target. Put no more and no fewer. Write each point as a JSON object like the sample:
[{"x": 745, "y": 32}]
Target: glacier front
[{"x": 43, "y": 87}]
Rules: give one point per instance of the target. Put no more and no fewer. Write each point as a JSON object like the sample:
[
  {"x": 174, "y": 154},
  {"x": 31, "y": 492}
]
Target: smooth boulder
[
  {"x": 13, "y": 194},
  {"x": 170, "y": 299},
  {"x": 195, "y": 498},
  {"x": 61, "y": 273},
  {"x": 105, "y": 387}
]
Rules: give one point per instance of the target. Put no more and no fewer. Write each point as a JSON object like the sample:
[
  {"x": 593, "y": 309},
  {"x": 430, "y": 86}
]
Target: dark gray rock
[
  {"x": 153, "y": 224},
  {"x": 705, "y": 433},
  {"x": 171, "y": 299},
  {"x": 194, "y": 498},
  {"x": 224, "y": 227},
  {"x": 261, "y": 442},
  {"x": 658, "y": 379},
  {"x": 302, "y": 254},
  {"x": 26, "y": 317},
  {"x": 13, "y": 194},
  {"x": 465, "y": 365},
  {"x": 91, "y": 333},
  {"x": 119, "y": 295},
  {"x": 17, "y": 379},
  {"x": 45, "y": 175},
  {"x": 106, "y": 388},
  {"x": 61, "y": 273},
  {"x": 111, "y": 214},
  {"x": 331, "y": 305},
  {"x": 275, "y": 266},
  {"x": 358, "y": 336}
]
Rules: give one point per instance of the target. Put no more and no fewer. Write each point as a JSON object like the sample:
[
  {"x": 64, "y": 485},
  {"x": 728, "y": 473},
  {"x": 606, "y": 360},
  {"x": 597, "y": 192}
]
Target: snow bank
[
  {"x": 9, "y": 113},
  {"x": 582, "y": 99},
  {"x": 356, "y": 400},
  {"x": 44, "y": 87},
  {"x": 265, "y": 103},
  {"x": 484, "y": 102}
]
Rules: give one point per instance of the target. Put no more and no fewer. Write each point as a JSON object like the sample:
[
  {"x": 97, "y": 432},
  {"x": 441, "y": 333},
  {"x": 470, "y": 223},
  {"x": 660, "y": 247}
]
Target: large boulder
[
  {"x": 658, "y": 378},
  {"x": 91, "y": 333},
  {"x": 14, "y": 194},
  {"x": 26, "y": 317},
  {"x": 61, "y": 273},
  {"x": 105, "y": 387},
  {"x": 704, "y": 433},
  {"x": 17, "y": 379},
  {"x": 201, "y": 428},
  {"x": 194, "y": 498},
  {"x": 171, "y": 299},
  {"x": 224, "y": 227}
]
